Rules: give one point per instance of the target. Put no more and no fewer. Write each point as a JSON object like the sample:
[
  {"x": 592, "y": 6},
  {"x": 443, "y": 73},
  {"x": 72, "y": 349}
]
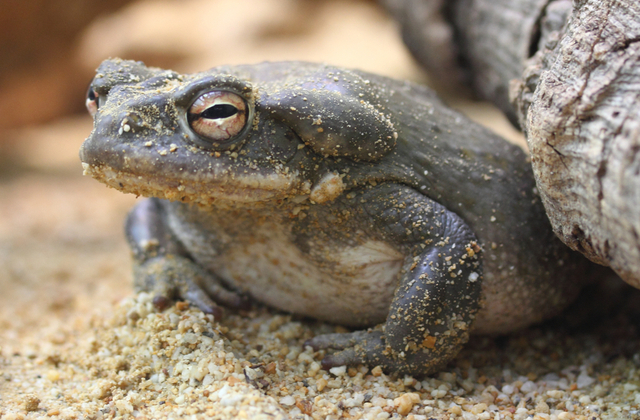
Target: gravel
[{"x": 181, "y": 363}]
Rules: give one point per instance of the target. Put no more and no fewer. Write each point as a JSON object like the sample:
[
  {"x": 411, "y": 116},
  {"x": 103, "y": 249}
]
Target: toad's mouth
[{"x": 206, "y": 190}]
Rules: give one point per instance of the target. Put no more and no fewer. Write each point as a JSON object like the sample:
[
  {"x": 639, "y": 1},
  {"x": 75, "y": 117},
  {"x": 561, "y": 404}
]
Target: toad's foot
[
  {"x": 173, "y": 277},
  {"x": 370, "y": 348},
  {"x": 365, "y": 347}
]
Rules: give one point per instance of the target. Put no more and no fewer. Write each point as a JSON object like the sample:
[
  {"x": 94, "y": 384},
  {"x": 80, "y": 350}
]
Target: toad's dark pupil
[
  {"x": 219, "y": 111},
  {"x": 91, "y": 94}
]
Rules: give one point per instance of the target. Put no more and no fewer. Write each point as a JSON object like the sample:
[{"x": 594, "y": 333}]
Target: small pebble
[
  {"x": 30, "y": 402},
  {"x": 405, "y": 402}
]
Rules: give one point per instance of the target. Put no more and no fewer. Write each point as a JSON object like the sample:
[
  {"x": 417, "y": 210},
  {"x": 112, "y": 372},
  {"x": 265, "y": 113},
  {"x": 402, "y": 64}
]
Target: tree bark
[{"x": 569, "y": 72}]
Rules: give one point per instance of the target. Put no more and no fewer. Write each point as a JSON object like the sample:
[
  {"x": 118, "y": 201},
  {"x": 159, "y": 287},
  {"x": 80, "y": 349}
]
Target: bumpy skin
[{"x": 348, "y": 197}]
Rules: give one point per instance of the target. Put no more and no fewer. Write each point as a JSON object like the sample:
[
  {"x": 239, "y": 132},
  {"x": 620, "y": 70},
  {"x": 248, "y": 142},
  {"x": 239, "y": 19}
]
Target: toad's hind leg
[
  {"x": 438, "y": 295},
  {"x": 163, "y": 268}
]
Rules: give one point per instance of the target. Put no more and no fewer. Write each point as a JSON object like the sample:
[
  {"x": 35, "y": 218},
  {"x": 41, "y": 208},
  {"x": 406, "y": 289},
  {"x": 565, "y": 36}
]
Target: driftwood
[{"x": 568, "y": 72}]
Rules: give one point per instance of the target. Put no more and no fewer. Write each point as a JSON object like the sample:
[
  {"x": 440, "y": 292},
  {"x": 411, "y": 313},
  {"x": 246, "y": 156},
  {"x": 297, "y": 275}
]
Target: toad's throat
[{"x": 205, "y": 191}]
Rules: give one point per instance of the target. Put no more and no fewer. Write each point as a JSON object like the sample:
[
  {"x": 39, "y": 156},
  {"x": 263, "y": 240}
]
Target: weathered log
[
  {"x": 570, "y": 73},
  {"x": 481, "y": 42}
]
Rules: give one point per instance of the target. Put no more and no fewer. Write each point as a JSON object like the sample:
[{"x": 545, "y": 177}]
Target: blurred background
[{"x": 62, "y": 250}]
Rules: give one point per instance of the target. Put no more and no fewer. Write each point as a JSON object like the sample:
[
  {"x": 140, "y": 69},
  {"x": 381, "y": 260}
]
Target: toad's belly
[{"x": 351, "y": 286}]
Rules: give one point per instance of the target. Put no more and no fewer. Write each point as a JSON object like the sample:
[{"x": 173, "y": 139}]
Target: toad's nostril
[
  {"x": 135, "y": 120},
  {"x": 131, "y": 123}
]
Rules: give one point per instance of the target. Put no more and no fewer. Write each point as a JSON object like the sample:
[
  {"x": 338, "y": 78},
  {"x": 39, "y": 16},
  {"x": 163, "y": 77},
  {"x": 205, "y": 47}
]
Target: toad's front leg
[
  {"x": 439, "y": 291},
  {"x": 163, "y": 268}
]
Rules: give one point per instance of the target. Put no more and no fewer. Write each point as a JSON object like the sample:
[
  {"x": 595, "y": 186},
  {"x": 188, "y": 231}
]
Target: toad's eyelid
[{"x": 186, "y": 96}]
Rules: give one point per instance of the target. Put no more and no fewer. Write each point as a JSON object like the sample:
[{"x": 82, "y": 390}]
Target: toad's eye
[
  {"x": 218, "y": 115},
  {"x": 92, "y": 102}
]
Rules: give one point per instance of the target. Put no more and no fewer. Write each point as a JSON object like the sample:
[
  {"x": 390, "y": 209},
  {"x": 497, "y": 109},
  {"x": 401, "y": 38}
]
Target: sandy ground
[{"x": 75, "y": 342}]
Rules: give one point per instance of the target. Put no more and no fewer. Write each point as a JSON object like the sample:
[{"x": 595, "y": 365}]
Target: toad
[{"x": 330, "y": 193}]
